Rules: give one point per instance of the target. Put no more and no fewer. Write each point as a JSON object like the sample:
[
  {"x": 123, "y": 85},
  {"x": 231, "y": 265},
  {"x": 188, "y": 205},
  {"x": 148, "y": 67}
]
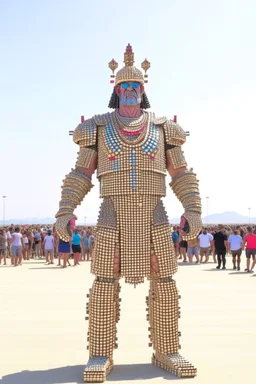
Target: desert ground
[{"x": 43, "y": 328}]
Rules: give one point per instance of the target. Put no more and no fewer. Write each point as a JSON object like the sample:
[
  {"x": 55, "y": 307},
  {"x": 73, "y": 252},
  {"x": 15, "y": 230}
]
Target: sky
[{"x": 54, "y": 68}]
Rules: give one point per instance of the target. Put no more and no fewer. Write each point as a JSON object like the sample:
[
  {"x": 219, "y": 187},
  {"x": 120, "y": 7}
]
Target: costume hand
[
  {"x": 64, "y": 226},
  {"x": 191, "y": 225},
  {"x": 184, "y": 227}
]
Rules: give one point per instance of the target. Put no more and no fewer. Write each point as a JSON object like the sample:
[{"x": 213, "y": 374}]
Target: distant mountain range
[
  {"x": 30, "y": 220},
  {"x": 223, "y": 218},
  {"x": 216, "y": 218}
]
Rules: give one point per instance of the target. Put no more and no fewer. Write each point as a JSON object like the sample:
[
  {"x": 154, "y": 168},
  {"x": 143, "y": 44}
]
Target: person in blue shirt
[
  {"x": 76, "y": 246},
  {"x": 175, "y": 239}
]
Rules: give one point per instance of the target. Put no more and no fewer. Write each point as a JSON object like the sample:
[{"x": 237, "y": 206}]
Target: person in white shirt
[
  {"x": 16, "y": 247},
  {"x": 205, "y": 243},
  {"x": 48, "y": 245},
  {"x": 235, "y": 244}
]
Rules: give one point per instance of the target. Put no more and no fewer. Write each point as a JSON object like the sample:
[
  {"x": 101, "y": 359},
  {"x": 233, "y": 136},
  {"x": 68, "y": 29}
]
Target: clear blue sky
[{"x": 54, "y": 68}]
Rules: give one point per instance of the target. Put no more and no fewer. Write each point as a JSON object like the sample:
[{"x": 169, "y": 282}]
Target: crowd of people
[
  {"x": 218, "y": 242},
  {"x": 19, "y": 243},
  {"x": 32, "y": 242}
]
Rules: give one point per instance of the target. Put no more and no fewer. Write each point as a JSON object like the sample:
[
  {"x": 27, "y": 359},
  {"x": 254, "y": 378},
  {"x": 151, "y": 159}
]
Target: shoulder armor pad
[
  {"x": 101, "y": 119},
  {"x": 174, "y": 134},
  {"x": 85, "y": 133},
  {"x": 159, "y": 120}
]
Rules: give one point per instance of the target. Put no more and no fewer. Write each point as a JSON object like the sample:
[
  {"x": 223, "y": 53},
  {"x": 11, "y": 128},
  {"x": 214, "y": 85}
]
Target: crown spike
[
  {"x": 113, "y": 66},
  {"x": 128, "y": 72},
  {"x": 145, "y": 65},
  {"x": 128, "y": 56}
]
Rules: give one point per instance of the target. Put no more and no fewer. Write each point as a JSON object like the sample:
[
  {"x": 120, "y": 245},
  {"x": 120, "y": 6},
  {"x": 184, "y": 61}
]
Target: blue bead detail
[
  {"x": 116, "y": 165},
  {"x": 111, "y": 140},
  {"x": 152, "y": 141},
  {"x": 133, "y": 158},
  {"x": 133, "y": 179}
]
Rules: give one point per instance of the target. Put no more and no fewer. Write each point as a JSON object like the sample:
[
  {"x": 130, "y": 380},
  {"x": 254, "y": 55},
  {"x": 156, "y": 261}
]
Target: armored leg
[
  {"x": 163, "y": 314},
  {"x": 103, "y": 310}
]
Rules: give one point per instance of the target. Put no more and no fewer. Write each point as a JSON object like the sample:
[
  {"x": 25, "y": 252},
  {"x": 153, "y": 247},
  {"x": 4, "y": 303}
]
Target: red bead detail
[
  {"x": 133, "y": 133},
  {"x": 175, "y": 118},
  {"x": 112, "y": 81},
  {"x": 152, "y": 158},
  {"x": 82, "y": 119},
  {"x": 111, "y": 158}
]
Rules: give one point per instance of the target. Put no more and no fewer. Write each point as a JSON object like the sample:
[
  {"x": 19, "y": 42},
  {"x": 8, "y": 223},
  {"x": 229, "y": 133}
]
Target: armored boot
[
  {"x": 164, "y": 335},
  {"x": 103, "y": 310}
]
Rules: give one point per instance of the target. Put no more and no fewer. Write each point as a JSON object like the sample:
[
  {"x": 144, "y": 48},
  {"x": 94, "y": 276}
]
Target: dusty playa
[{"x": 43, "y": 331}]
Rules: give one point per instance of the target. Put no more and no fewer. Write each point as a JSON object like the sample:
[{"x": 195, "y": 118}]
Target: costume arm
[
  {"x": 184, "y": 182},
  {"x": 78, "y": 182}
]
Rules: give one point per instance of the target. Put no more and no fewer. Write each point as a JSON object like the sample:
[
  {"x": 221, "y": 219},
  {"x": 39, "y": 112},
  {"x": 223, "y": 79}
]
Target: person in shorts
[
  {"x": 16, "y": 247},
  {"x": 250, "y": 251},
  {"x": 205, "y": 243},
  {"x": 193, "y": 250},
  {"x": 76, "y": 246},
  {"x": 183, "y": 246},
  {"x": 48, "y": 245},
  {"x": 64, "y": 249},
  {"x": 235, "y": 243}
]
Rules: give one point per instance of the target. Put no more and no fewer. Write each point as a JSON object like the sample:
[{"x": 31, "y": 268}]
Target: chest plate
[{"x": 127, "y": 166}]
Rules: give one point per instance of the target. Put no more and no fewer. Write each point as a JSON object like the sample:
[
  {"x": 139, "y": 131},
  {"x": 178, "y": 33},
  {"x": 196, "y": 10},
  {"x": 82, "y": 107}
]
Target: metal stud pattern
[
  {"x": 134, "y": 167},
  {"x": 185, "y": 187},
  {"x": 85, "y": 133},
  {"x": 97, "y": 369},
  {"x": 175, "y": 364},
  {"x": 160, "y": 215},
  {"x": 85, "y": 157},
  {"x": 103, "y": 313},
  {"x": 163, "y": 316},
  {"x": 174, "y": 134},
  {"x": 133, "y": 221},
  {"x": 177, "y": 157},
  {"x": 134, "y": 232},
  {"x": 107, "y": 216}
]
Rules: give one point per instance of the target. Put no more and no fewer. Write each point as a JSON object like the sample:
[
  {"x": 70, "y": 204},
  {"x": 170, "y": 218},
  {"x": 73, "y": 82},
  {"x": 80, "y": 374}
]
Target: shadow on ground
[
  {"x": 215, "y": 270},
  {"x": 187, "y": 264},
  {"x": 74, "y": 374},
  {"x": 54, "y": 268}
]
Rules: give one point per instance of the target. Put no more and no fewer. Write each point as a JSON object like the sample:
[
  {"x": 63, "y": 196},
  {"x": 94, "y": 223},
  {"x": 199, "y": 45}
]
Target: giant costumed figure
[{"x": 131, "y": 150}]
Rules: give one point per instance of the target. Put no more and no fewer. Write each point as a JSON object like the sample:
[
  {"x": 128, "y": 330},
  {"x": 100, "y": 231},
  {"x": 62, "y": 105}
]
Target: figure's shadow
[
  {"x": 45, "y": 267},
  {"x": 74, "y": 374}
]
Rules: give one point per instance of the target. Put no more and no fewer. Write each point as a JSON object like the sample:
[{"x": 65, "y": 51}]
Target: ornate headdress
[{"x": 129, "y": 72}]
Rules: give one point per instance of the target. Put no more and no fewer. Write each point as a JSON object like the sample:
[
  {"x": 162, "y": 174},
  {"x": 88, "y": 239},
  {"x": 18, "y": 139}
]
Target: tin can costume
[{"x": 133, "y": 238}]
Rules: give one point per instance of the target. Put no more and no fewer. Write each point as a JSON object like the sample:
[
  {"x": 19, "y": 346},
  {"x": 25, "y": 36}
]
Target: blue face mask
[{"x": 130, "y": 97}]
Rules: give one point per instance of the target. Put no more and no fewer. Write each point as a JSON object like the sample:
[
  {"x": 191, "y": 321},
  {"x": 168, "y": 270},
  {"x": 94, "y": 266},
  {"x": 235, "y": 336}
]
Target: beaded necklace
[
  {"x": 115, "y": 140},
  {"x": 131, "y": 123}
]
